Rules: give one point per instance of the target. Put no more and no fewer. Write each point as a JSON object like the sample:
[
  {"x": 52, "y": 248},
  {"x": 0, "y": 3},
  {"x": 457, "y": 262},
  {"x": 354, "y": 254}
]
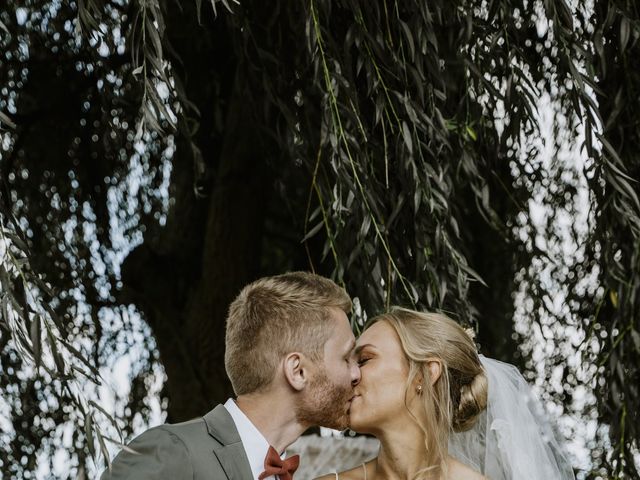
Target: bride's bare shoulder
[
  {"x": 460, "y": 471},
  {"x": 356, "y": 473},
  {"x": 346, "y": 475}
]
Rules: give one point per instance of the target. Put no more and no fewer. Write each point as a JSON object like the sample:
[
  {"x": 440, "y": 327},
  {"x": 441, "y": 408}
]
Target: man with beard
[{"x": 289, "y": 356}]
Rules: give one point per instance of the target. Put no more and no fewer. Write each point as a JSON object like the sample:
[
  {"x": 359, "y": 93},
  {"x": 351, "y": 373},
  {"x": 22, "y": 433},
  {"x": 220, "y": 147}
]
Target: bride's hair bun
[{"x": 473, "y": 400}]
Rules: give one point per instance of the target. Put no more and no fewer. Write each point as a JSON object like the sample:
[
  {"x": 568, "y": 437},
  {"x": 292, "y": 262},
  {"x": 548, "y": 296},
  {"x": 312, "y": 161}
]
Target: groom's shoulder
[
  {"x": 195, "y": 427},
  {"x": 150, "y": 452},
  {"x": 173, "y": 450},
  {"x": 185, "y": 432},
  {"x": 176, "y": 433}
]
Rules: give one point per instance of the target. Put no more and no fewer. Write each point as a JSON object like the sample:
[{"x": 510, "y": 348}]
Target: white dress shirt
[{"x": 255, "y": 445}]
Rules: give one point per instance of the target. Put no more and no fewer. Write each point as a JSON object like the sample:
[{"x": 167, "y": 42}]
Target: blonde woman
[{"x": 424, "y": 392}]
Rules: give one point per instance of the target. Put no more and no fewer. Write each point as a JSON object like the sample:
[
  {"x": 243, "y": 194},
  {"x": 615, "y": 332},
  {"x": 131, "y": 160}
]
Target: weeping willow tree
[
  {"x": 158, "y": 155},
  {"x": 615, "y": 241}
]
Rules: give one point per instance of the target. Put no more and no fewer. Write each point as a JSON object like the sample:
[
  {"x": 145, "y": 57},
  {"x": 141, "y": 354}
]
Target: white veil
[{"x": 512, "y": 438}]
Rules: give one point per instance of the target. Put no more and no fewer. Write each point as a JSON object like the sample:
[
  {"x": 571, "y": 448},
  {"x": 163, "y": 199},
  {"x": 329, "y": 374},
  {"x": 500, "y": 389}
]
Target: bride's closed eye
[{"x": 363, "y": 360}]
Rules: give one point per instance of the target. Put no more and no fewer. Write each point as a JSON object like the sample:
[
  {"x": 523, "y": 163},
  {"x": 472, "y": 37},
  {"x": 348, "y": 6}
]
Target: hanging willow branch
[
  {"x": 39, "y": 335},
  {"x": 414, "y": 128}
]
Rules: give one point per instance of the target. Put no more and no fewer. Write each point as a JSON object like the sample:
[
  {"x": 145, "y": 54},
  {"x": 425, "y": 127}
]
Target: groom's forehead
[
  {"x": 346, "y": 345},
  {"x": 351, "y": 345}
]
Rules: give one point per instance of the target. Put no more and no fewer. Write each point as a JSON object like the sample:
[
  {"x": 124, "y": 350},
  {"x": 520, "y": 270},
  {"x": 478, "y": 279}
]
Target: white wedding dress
[{"x": 513, "y": 438}]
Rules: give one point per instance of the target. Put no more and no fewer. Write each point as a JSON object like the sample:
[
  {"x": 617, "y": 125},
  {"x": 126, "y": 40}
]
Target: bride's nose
[{"x": 355, "y": 375}]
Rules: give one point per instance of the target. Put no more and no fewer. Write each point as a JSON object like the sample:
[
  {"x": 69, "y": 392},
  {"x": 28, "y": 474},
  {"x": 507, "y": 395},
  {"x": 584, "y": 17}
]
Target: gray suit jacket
[{"x": 207, "y": 448}]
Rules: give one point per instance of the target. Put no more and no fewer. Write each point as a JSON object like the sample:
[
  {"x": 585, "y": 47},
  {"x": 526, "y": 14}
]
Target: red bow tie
[{"x": 274, "y": 465}]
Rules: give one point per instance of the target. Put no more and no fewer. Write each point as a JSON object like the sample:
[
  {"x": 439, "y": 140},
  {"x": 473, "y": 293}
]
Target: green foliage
[
  {"x": 409, "y": 136},
  {"x": 409, "y": 161},
  {"x": 65, "y": 115},
  {"x": 616, "y": 238},
  {"x": 40, "y": 344}
]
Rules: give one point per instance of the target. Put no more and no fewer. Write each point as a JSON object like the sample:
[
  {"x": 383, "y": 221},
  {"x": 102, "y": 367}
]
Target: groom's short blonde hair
[{"x": 274, "y": 316}]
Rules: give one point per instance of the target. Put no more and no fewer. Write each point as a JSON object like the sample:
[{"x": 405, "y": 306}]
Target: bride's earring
[{"x": 419, "y": 389}]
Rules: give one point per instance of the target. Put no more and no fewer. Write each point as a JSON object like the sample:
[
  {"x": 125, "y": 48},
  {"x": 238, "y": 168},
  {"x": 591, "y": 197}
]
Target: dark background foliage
[{"x": 158, "y": 155}]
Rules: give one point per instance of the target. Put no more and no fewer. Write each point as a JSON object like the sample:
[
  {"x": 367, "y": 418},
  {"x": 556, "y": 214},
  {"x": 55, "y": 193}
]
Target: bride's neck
[{"x": 402, "y": 453}]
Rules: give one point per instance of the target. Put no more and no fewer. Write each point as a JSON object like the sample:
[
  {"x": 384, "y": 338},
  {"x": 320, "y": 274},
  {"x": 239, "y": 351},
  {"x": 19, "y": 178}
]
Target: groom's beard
[{"x": 325, "y": 404}]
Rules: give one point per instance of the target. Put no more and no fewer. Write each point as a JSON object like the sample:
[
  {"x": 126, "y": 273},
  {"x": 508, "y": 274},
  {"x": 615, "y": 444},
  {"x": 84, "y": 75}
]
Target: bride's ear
[{"x": 434, "y": 367}]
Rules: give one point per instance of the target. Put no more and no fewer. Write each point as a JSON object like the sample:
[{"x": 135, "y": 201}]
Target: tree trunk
[
  {"x": 210, "y": 247},
  {"x": 187, "y": 312}
]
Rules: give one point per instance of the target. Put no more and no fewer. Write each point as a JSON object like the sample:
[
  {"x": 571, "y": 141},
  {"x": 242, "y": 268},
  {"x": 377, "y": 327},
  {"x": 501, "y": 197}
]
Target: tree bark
[
  {"x": 210, "y": 247},
  {"x": 187, "y": 313}
]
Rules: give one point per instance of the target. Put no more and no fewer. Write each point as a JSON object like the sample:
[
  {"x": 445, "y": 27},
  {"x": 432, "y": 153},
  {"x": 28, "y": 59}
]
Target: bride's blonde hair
[{"x": 456, "y": 399}]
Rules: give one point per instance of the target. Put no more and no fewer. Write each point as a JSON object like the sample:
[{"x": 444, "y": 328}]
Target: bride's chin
[
  {"x": 358, "y": 425},
  {"x": 358, "y": 415},
  {"x": 356, "y": 422}
]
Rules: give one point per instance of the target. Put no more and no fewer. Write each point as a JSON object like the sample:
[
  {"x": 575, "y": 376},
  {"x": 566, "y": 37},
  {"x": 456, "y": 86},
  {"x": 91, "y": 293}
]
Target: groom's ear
[{"x": 295, "y": 371}]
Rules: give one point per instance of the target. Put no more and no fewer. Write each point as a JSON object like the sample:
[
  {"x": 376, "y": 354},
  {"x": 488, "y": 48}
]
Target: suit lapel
[
  {"x": 230, "y": 451},
  {"x": 233, "y": 460}
]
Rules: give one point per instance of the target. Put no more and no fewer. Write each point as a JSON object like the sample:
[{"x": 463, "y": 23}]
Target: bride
[{"x": 441, "y": 411}]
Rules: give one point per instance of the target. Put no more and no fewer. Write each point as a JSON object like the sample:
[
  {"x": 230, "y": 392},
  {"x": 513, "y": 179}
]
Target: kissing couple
[{"x": 413, "y": 380}]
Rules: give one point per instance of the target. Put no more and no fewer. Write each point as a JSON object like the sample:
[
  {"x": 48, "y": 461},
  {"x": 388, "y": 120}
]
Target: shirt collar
[{"x": 255, "y": 445}]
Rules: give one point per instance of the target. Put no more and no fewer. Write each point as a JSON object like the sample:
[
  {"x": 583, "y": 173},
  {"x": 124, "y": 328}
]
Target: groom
[{"x": 289, "y": 356}]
